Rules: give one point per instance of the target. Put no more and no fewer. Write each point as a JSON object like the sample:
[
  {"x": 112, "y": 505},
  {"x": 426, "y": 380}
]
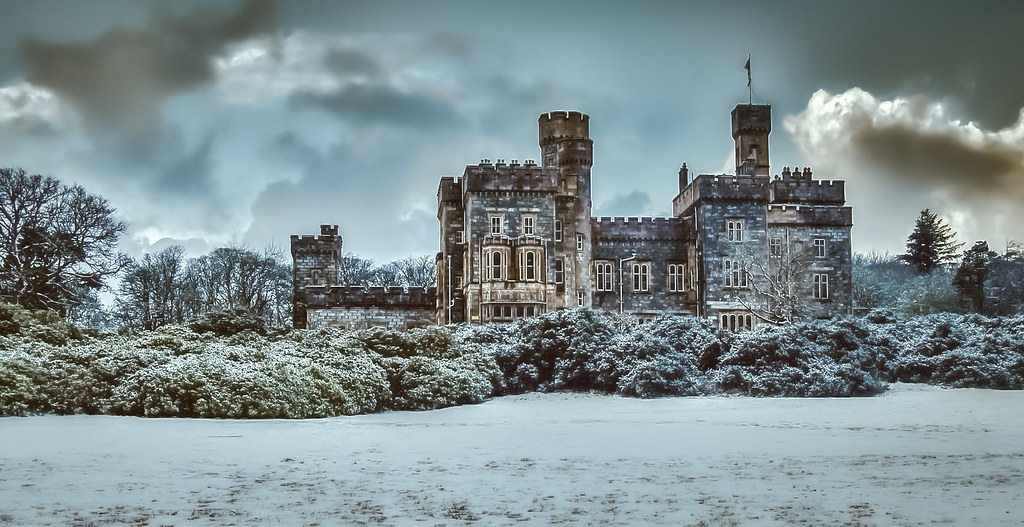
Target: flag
[{"x": 747, "y": 67}]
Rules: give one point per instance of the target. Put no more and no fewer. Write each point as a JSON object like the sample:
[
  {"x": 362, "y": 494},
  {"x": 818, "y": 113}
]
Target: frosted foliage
[{"x": 47, "y": 366}]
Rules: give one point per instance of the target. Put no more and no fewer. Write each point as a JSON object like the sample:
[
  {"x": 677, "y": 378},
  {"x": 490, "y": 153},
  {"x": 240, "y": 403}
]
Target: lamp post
[{"x": 622, "y": 261}]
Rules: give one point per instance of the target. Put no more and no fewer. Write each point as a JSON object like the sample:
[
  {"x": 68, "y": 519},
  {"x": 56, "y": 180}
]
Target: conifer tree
[
  {"x": 931, "y": 244},
  {"x": 973, "y": 272}
]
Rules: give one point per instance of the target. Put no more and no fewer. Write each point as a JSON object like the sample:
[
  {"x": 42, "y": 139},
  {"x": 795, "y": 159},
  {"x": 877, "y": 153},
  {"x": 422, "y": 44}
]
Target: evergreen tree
[
  {"x": 931, "y": 244},
  {"x": 971, "y": 275}
]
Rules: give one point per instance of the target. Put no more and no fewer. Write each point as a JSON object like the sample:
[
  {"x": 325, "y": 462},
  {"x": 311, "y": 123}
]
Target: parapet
[
  {"x": 797, "y": 186},
  {"x": 810, "y": 215},
  {"x": 747, "y": 118},
  {"x": 502, "y": 176},
  {"x": 328, "y": 240},
  {"x": 707, "y": 187},
  {"x": 449, "y": 190},
  {"x": 640, "y": 228},
  {"x": 561, "y": 125}
]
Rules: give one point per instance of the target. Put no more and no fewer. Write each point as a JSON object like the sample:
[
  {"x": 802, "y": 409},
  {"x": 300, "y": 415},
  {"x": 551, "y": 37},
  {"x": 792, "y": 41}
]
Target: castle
[{"x": 518, "y": 240}]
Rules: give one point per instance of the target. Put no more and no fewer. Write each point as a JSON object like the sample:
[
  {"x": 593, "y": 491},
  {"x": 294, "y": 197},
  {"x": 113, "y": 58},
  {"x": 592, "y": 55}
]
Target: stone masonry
[{"x": 518, "y": 240}]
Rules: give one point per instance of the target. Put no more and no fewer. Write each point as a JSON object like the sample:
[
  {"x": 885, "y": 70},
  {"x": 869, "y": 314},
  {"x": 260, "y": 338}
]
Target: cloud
[
  {"x": 384, "y": 104},
  {"x": 119, "y": 79},
  {"x": 635, "y": 203},
  {"x": 28, "y": 111},
  {"x": 911, "y": 152}
]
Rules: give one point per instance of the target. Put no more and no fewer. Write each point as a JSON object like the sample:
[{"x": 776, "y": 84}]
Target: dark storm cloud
[
  {"x": 383, "y": 104},
  {"x": 966, "y": 53},
  {"x": 191, "y": 173},
  {"x": 939, "y": 158},
  {"x": 352, "y": 63},
  {"x": 119, "y": 79}
]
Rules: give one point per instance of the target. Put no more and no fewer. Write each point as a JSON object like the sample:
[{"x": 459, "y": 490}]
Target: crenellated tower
[
  {"x": 751, "y": 124},
  {"x": 315, "y": 262},
  {"x": 566, "y": 146}
]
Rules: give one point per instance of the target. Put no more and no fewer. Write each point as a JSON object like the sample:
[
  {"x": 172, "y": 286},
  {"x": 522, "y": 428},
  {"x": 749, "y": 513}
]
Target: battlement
[
  {"x": 798, "y": 187},
  {"x": 634, "y": 227},
  {"x": 328, "y": 240},
  {"x": 747, "y": 118},
  {"x": 555, "y": 126},
  {"x": 813, "y": 215},
  {"x": 708, "y": 187},
  {"x": 503, "y": 176},
  {"x": 449, "y": 190},
  {"x": 356, "y": 296}
]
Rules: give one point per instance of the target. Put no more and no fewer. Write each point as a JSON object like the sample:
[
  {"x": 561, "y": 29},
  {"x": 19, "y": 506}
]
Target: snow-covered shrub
[
  {"x": 809, "y": 359},
  {"x": 566, "y": 349},
  {"x": 227, "y": 322},
  {"x": 22, "y": 374},
  {"x": 81, "y": 379}
]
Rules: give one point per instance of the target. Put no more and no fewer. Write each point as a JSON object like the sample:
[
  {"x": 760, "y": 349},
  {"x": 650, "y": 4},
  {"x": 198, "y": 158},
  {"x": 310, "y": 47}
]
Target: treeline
[
  {"x": 231, "y": 366},
  {"x": 58, "y": 250},
  {"x": 934, "y": 276}
]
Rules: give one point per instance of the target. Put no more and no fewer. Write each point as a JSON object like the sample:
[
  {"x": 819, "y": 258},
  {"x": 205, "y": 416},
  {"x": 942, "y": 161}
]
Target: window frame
[
  {"x": 558, "y": 230},
  {"x": 529, "y": 224},
  {"x": 607, "y": 270},
  {"x": 820, "y": 286},
  {"x": 496, "y": 224},
  {"x": 735, "y": 274},
  {"x": 640, "y": 276},
  {"x": 579, "y": 243},
  {"x": 775, "y": 247},
  {"x": 819, "y": 247},
  {"x": 559, "y": 271},
  {"x": 676, "y": 277},
  {"x": 734, "y": 230}
]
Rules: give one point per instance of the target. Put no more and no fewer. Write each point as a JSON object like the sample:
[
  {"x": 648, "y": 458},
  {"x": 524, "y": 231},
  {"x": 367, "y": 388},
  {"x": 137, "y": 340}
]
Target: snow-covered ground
[{"x": 916, "y": 455}]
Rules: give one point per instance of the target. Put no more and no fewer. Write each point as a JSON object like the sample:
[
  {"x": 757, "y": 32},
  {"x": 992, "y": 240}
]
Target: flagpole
[{"x": 750, "y": 90}]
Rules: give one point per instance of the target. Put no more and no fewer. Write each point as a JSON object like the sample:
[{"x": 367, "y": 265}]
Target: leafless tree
[
  {"x": 57, "y": 242},
  {"x": 777, "y": 282}
]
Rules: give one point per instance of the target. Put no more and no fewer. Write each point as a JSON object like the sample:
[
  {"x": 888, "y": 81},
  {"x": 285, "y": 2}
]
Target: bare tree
[
  {"x": 353, "y": 270},
  {"x": 777, "y": 282},
  {"x": 56, "y": 241},
  {"x": 387, "y": 275},
  {"x": 418, "y": 271}
]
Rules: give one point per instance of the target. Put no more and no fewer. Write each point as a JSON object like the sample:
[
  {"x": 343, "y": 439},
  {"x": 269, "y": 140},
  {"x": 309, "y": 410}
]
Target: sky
[{"x": 208, "y": 124}]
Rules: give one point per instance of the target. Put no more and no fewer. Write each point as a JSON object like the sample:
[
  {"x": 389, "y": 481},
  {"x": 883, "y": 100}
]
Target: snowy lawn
[{"x": 915, "y": 455}]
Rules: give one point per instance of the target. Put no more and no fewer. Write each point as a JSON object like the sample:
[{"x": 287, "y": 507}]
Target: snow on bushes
[{"x": 225, "y": 367}]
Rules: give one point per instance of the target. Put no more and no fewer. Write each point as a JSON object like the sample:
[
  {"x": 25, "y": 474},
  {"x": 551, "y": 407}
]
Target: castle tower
[
  {"x": 315, "y": 261},
  {"x": 565, "y": 145},
  {"x": 751, "y": 124}
]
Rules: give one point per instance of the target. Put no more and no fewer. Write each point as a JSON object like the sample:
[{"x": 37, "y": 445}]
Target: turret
[{"x": 751, "y": 124}]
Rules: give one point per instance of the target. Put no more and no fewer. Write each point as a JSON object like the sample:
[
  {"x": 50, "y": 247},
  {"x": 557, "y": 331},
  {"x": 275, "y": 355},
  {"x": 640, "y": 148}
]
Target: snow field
[{"x": 915, "y": 455}]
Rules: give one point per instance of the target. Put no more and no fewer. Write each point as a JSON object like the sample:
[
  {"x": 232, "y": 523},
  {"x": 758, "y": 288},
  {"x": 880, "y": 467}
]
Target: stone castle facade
[{"x": 519, "y": 240}]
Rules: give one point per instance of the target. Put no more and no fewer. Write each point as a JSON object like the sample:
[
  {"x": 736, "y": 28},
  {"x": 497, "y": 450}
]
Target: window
[
  {"x": 676, "y": 277},
  {"x": 775, "y": 247},
  {"x": 734, "y": 230},
  {"x": 528, "y": 225},
  {"x": 604, "y": 276},
  {"x": 820, "y": 289},
  {"x": 495, "y": 263},
  {"x": 559, "y": 270},
  {"x": 558, "y": 230},
  {"x": 496, "y": 222},
  {"x": 736, "y": 321},
  {"x": 460, "y": 237},
  {"x": 579, "y": 242},
  {"x": 819, "y": 247},
  {"x": 641, "y": 276},
  {"x": 579, "y": 297},
  {"x": 735, "y": 274},
  {"x": 529, "y": 265}
]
